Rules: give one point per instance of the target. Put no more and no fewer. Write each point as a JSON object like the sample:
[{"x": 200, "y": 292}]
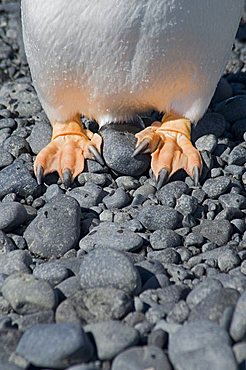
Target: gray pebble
[
  {"x": 61, "y": 344},
  {"x": 206, "y": 142},
  {"x": 53, "y": 191},
  {"x": 186, "y": 204},
  {"x": 16, "y": 145},
  {"x": 15, "y": 261},
  {"x": 165, "y": 238},
  {"x": 69, "y": 286},
  {"x": 5, "y": 158},
  {"x": 202, "y": 290},
  {"x": 170, "y": 192},
  {"x": 148, "y": 269},
  {"x": 216, "y": 231},
  {"x": 118, "y": 198},
  {"x": 96, "y": 178},
  {"x": 179, "y": 313},
  {"x": 16, "y": 178},
  {"x": 228, "y": 261},
  {"x": 109, "y": 268},
  {"x": 157, "y": 217},
  {"x": 239, "y": 350},
  {"x": 238, "y": 324},
  {"x": 118, "y": 146},
  {"x": 40, "y": 317},
  {"x": 56, "y": 228},
  {"x": 208, "y": 343},
  {"x": 145, "y": 190},
  {"x": 6, "y": 244},
  {"x": 139, "y": 358},
  {"x": 40, "y": 135},
  {"x": 26, "y": 294},
  {"x": 237, "y": 155},
  {"x": 52, "y": 272},
  {"x": 111, "y": 338},
  {"x": 216, "y": 186},
  {"x": 127, "y": 182},
  {"x": 233, "y": 200},
  {"x": 88, "y": 195},
  {"x": 111, "y": 235},
  {"x": 194, "y": 239},
  {"x": 12, "y": 214}
]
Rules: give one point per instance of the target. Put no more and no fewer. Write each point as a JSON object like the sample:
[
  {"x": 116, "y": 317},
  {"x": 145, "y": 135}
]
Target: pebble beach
[{"x": 113, "y": 273}]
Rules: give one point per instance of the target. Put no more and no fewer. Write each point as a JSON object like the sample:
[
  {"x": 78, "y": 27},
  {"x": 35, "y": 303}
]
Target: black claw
[
  {"x": 141, "y": 148},
  {"x": 96, "y": 154},
  {"x": 67, "y": 178},
  {"x": 196, "y": 175},
  {"x": 39, "y": 174},
  {"x": 162, "y": 178}
]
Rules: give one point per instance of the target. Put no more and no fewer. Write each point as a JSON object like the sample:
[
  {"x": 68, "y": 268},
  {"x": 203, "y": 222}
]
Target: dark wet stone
[
  {"x": 208, "y": 343},
  {"x": 170, "y": 192},
  {"x": 103, "y": 332},
  {"x": 109, "y": 268},
  {"x": 56, "y": 228},
  {"x": 216, "y": 231},
  {"x": 165, "y": 238},
  {"x": 157, "y": 217},
  {"x": 139, "y": 358},
  {"x": 216, "y": 186},
  {"x": 110, "y": 235},
  {"x": 61, "y": 344},
  {"x": 118, "y": 146},
  {"x": 12, "y": 214},
  {"x": 233, "y": 109},
  {"x": 26, "y": 294},
  {"x": 211, "y": 123},
  {"x": 16, "y": 178}
]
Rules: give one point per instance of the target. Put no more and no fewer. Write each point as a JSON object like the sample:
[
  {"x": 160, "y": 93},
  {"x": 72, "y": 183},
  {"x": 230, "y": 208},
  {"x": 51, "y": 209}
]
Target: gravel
[{"x": 113, "y": 273}]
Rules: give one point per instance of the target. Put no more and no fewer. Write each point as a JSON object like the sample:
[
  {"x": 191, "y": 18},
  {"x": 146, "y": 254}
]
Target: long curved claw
[
  {"x": 67, "y": 178},
  {"x": 162, "y": 178},
  {"x": 196, "y": 175},
  {"x": 39, "y": 174},
  {"x": 141, "y": 148},
  {"x": 93, "y": 150}
]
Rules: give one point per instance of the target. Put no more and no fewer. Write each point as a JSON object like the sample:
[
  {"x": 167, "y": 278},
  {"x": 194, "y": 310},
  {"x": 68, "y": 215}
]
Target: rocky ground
[{"x": 113, "y": 274}]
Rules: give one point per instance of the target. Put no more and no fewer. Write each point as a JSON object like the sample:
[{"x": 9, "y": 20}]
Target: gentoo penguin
[{"x": 113, "y": 59}]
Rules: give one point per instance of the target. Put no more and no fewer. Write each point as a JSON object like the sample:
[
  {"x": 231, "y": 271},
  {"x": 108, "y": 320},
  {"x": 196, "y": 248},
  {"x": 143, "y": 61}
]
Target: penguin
[{"x": 111, "y": 60}]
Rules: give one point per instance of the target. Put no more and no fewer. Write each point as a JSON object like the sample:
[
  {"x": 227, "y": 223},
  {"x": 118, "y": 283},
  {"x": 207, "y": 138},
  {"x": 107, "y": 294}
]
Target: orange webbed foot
[
  {"x": 170, "y": 147},
  {"x": 70, "y": 145}
]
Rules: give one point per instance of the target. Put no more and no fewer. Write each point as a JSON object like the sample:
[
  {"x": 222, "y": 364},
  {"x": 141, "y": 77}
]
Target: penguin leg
[
  {"x": 169, "y": 143},
  {"x": 70, "y": 145}
]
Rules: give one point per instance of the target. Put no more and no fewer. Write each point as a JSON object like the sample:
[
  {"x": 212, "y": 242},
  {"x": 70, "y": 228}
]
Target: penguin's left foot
[
  {"x": 70, "y": 145},
  {"x": 169, "y": 143}
]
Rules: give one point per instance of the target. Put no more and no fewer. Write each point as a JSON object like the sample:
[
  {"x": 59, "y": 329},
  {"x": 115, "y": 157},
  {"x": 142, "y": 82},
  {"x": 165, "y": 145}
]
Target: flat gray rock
[
  {"x": 12, "y": 214},
  {"x": 111, "y": 338},
  {"x": 109, "y": 268},
  {"x": 216, "y": 186},
  {"x": 27, "y": 295},
  {"x": 201, "y": 345},
  {"x": 88, "y": 195},
  {"x": 157, "y": 217},
  {"x": 238, "y": 324},
  {"x": 216, "y": 231},
  {"x": 139, "y": 358},
  {"x": 53, "y": 272},
  {"x": 56, "y": 228},
  {"x": 170, "y": 192},
  {"x": 55, "y": 345},
  {"x": 111, "y": 235},
  {"x": 165, "y": 238},
  {"x": 15, "y": 261}
]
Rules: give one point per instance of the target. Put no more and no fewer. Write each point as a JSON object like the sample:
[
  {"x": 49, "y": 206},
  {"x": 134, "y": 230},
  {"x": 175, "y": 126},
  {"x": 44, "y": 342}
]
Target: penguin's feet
[
  {"x": 170, "y": 147},
  {"x": 70, "y": 145}
]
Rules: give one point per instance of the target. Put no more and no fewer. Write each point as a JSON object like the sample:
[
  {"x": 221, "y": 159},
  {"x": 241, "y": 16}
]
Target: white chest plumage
[{"x": 111, "y": 59}]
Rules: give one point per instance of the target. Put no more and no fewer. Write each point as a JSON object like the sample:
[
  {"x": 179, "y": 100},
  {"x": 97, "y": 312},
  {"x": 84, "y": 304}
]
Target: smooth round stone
[
  {"x": 238, "y": 155},
  {"x": 166, "y": 256},
  {"x": 202, "y": 290},
  {"x": 216, "y": 186},
  {"x": 12, "y": 214},
  {"x": 111, "y": 235},
  {"x": 164, "y": 238},
  {"x": 139, "y": 358},
  {"x": 238, "y": 324},
  {"x": 16, "y": 145},
  {"x": 206, "y": 142},
  {"x": 16, "y": 178},
  {"x": 27, "y": 295},
  {"x": 5, "y": 158},
  {"x": 211, "y": 123},
  {"x": 186, "y": 204},
  {"x": 15, "y": 261},
  {"x": 119, "y": 198},
  {"x": 96, "y": 178},
  {"x": 40, "y": 135},
  {"x": 109, "y": 268},
  {"x": 127, "y": 182},
  {"x": 53, "y": 191},
  {"x": 216, "y": 231},
  {"x": 111, "y": 338},
  {"x": 148, "y": 269},
  {"x": 233, "y": 200},
  {"x": 56, "y": 228},
  {"x": 158, "y": 217},
  {"x": 208, "y": 343},
  {"x": 51, "y": 272},
  {"x": 170, "y": 192},
  {"x": 88, "y": 195},
  {"x": 69, "y": 286},
  {"x": 212, "y": 307},
  {"x": 179, "y": 313},
  {"x": 228, "y": 261},
  {"x": 119, "y": 143},
  {"x": 55, "y": 345},
  {"x": 194, "y": 239},
  {"x": 144, "y": 191}
]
